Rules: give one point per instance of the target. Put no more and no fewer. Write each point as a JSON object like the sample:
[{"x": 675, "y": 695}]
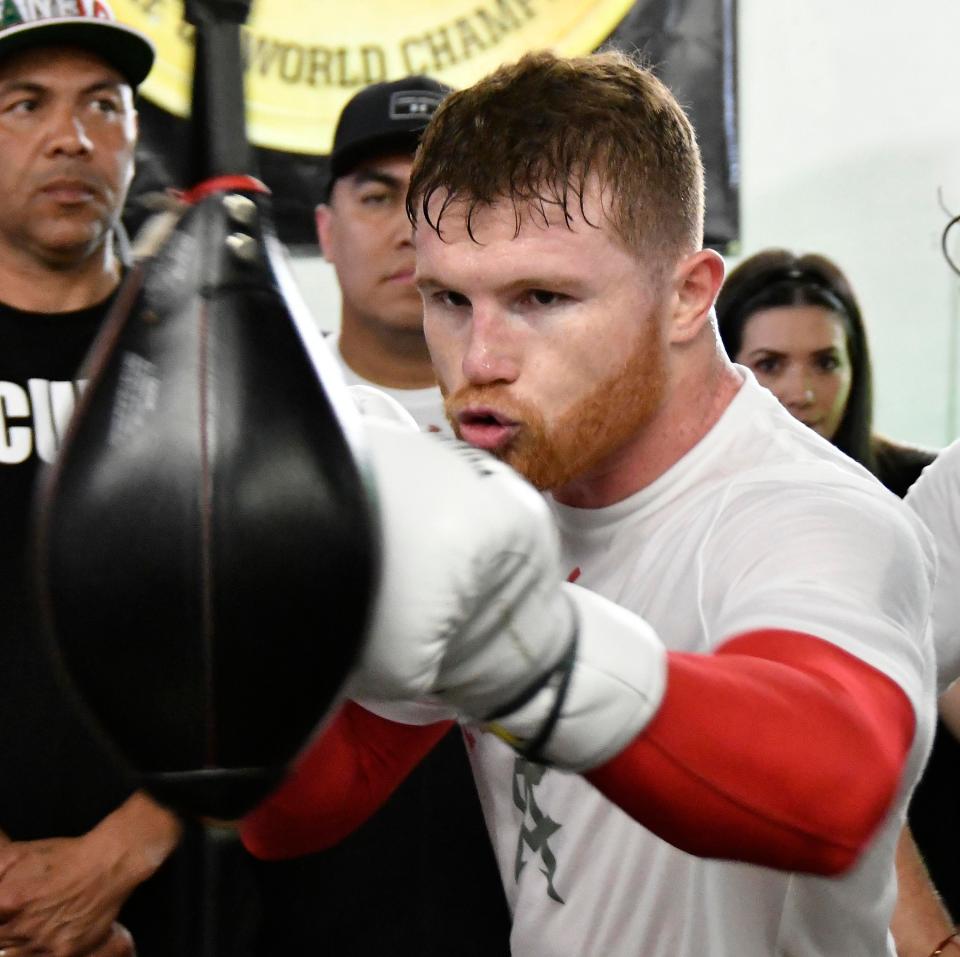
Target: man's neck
[
  {"x": 394, "y": 358},
  {"x": 35, "y": 286},
  {"x": 692, "y": 407}
]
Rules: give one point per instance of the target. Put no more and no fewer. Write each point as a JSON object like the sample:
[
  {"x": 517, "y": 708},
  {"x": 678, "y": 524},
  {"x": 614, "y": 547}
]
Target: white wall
[
  {"x": 849, "y": 123},
  {"x": 318, "y": 283}
]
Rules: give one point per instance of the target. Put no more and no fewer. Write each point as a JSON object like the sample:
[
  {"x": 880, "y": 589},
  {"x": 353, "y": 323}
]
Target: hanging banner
[
  {"x": 306, "y": 58},
  {"x": 691, "y": 46}
]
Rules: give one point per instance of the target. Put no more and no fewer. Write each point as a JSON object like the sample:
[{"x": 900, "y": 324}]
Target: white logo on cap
[{"x": 411, "y": 104}]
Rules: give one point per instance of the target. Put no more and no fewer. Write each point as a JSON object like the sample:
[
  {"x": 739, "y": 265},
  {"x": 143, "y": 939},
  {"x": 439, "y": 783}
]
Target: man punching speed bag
[{"x": 206, "y": 544}]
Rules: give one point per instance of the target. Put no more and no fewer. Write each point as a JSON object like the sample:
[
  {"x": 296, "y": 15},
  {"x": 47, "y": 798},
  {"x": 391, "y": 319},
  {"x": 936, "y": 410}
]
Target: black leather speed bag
[{"x": 206, "y": 542}]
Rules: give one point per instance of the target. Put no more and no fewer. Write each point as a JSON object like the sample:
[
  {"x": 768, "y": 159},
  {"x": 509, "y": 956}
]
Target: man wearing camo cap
[{"x": 77, "y": 838}]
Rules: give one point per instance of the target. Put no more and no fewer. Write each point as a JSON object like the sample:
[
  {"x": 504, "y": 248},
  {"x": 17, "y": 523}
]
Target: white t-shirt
[
  {"x": 762, "y": 525},
  {"x": 935, "y": 497},
  {"x": 425, "y": 405}
]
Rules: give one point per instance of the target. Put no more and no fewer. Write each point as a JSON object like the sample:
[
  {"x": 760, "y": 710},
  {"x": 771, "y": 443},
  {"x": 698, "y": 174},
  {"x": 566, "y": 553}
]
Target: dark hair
[
  {"x": 532, "y": 132},
  {"x": 778, "y": 277}
]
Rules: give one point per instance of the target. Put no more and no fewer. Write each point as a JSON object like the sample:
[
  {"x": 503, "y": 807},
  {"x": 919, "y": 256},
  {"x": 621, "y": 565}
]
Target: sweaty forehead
[
  {"x": 390, "y": 168},
  {"x": 508, "y": 217},
  {"x": 494, "y": 257}
]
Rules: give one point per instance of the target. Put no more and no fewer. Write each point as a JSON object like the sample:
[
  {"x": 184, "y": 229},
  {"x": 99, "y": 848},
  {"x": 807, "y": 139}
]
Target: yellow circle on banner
[{"x": 306, "y": 58}]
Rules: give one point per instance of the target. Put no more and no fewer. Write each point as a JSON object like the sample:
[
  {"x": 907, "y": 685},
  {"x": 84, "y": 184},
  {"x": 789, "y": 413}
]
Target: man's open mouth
[{"x": 486, "y": 428}]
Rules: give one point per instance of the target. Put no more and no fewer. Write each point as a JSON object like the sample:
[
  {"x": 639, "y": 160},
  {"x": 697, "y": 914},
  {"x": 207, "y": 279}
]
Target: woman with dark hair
[{"x": 796, "y": 323}]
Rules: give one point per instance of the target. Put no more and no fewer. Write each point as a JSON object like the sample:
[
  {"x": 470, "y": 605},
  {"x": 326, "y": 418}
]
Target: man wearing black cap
[
  {"x": 364, "y": 232},
  {"x": 386, "y": 889},
  {"x": 77, "y": 839}
]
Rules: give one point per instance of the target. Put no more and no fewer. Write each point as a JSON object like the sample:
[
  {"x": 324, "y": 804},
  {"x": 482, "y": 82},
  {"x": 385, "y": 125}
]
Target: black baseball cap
[
  {"x": 89, "y": 24},
  {"x": 382, "y": 118}
]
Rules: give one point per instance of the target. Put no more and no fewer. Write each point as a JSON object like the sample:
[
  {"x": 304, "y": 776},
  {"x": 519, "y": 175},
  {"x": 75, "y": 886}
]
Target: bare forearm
[
  {"x": 139, "y": 835},
  {"x": 920, "y": 919},
  {"x": 950, "y": 709}
]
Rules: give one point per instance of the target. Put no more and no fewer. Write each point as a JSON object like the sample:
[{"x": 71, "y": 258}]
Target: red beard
[{"x": 597, "y": 426}]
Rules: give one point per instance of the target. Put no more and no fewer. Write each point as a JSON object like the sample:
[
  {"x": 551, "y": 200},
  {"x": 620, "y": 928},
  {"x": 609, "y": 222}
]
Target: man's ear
[
  {"x": 322, "y": 216},
  {"x": 697, "y": 280}
]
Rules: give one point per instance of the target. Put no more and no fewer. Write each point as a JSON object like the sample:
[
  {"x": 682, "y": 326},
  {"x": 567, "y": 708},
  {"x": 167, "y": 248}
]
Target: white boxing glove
[{"x": 473, "y": 611}]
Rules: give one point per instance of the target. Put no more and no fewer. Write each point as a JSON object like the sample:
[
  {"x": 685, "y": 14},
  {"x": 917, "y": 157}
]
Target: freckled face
[
  {"x": 800, "y": 354},
  {"x": 548, "y": 343}
]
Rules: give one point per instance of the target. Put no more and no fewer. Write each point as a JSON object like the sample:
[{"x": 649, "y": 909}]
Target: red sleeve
[
  {"x": 338, "y": 782},
  {"x": 781, "y": 749}
]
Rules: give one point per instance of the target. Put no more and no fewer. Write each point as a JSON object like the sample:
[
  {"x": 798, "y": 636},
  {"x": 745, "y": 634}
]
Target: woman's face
[{"x": 800, "y": 354}]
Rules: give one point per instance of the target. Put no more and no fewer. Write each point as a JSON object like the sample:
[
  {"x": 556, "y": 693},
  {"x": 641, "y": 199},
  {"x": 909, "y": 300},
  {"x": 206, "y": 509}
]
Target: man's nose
[
  {"x": 402, "y": 227},
  {"x": 493, "y": 349},
  {"x": 69, "y": 135}
]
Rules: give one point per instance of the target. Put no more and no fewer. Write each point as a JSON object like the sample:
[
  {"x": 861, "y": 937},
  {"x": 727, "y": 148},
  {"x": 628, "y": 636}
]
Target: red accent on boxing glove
[
  {"x": 781, "y": 749},
  {"x": 342, "y": 778}
]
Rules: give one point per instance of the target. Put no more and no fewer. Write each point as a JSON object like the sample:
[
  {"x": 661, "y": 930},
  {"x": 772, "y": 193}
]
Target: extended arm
[
  {"x": 778, "y": 748},
  {"x": 803, "y": 792}
]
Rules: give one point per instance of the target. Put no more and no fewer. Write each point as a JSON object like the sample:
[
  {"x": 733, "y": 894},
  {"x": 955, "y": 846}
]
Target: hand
[
  {"x": 473, "y": 610},
  {"x": 117, "y": 943},
  {"x": 468, "y": 546},
  {"x": 59, "y": 897}
]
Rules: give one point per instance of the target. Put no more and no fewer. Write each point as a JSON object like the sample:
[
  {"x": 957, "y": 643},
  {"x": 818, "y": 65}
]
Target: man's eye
[
  {"x": 456, "y": 299},
  {"x": 544, "y": 297},
  {"x": 375, "y": 199},
  {"x": 21, "y": 106},
  {"x": 106, "y": 105}
]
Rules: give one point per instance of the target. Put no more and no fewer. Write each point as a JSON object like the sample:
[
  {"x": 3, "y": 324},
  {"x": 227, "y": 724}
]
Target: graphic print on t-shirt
[
  {"x": 536, "y": 834},
  {"x": 34, "y": 419}
]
